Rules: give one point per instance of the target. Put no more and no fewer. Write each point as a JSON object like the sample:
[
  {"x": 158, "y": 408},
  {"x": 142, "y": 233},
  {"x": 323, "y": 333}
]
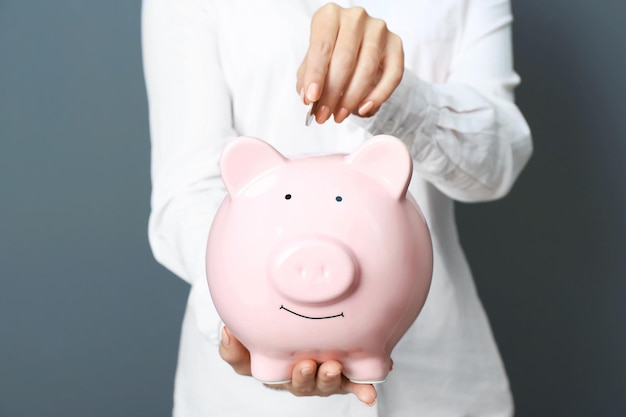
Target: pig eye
[
  {"x": 287, "y": 196},
  {"x": 339, "y": 198}
]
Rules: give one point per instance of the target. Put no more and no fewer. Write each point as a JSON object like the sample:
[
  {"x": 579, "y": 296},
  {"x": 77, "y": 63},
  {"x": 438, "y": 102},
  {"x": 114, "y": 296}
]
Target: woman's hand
[
  {"x": 308, "y": 377},
  {"x": 353, "y": 63}
]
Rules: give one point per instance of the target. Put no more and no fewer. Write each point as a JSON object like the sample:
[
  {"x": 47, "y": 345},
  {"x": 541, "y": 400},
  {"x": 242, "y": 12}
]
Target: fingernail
[
  {"x": 302, "y": 94},
  {"x": 225, "y": 337},
  {"x": 332, "y": 374},
  {"x": 313, "y": 92},
  {"x": 341, "y": 114},
  {"x": 307, "y": 371},
  {"x": 365, "y": 108},
  {"x": 322, "y": 114}
]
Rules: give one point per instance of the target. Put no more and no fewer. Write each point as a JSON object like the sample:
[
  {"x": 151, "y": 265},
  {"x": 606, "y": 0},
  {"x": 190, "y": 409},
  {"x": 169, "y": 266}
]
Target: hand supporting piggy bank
[{"x": 320, "y": 257}]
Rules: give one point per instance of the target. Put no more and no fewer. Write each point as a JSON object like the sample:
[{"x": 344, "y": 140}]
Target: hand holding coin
[{"x": 353, "y": 64}]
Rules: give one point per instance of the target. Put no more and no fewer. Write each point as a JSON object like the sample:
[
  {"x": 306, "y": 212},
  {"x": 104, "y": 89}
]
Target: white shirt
[{"x": 219, "y": 69}]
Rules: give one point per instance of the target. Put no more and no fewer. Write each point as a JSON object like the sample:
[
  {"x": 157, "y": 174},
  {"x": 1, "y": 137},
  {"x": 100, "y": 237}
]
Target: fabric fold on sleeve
[{"x": 470, "y": 146}]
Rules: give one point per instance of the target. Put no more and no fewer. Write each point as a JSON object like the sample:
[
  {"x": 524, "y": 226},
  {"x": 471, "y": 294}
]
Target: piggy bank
[{"x": 318, "y": 257}]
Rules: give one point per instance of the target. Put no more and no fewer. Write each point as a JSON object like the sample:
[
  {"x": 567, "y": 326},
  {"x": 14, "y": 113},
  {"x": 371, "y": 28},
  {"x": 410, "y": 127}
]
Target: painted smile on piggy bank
[
  {"x": 282, "y": 307},
  {"x": 318, "y": 257}
]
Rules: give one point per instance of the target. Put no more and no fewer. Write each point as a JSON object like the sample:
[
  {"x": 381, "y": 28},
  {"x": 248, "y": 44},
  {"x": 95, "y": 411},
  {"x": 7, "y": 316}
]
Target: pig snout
[{"x": 314, "y": 271}]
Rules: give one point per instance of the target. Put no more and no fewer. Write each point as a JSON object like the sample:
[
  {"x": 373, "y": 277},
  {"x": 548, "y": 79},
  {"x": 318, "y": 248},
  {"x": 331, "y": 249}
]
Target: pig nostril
[{"x": 313, "y": 271}]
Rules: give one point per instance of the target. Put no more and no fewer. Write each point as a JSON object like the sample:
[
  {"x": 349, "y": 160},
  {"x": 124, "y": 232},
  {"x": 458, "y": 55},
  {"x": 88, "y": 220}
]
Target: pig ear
[
  {"x": 386, "y": 159},
  {"x": 244, "y": 159}
]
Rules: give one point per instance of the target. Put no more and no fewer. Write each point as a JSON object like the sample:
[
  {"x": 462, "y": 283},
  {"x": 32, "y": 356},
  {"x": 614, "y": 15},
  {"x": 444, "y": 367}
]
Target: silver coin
[{"x": 310, "y": 114}]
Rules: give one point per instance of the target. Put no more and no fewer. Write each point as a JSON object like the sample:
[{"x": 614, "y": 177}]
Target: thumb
[
  {"x": 235, "y": 353},
  {"x": 366, "y": 393}
]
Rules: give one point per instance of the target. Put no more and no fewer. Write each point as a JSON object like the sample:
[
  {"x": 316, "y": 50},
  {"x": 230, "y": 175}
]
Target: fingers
[
  {"x": 303, "y": 380},
  {"x": 366, "y": 393},
  {"x": 329, "y": 378},
  {"x": 309, "y": 378},
  {"x": 367, "y": 72},
  {"x": 392, "y": 69},
  {"x": 233, "y": 352},
  {"x": 344, "y": 59},
  {"x": 353, "y": 64},
  {"x": 324, "y": 30}
]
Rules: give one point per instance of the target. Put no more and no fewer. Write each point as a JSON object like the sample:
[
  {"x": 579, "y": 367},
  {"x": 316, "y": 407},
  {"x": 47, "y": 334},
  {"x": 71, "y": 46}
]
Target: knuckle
[
  {"x": 325, "y": 48},
  {"x": 325, "y": 10},
  {"x": 370, "y": 66},
  {"x": 345, "y": 58},
  {"x": 357, "y": 13},
  {"x": 379, "y": 26},
  {"x": 396, "y": 41},
  {"x": 395, "y": 45}
]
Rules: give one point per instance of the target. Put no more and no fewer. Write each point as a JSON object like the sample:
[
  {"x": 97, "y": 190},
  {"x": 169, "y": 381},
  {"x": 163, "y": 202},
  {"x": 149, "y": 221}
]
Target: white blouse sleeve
[
  {"x": 190, "y": 121},
  {"x": 467, "y": 136}
]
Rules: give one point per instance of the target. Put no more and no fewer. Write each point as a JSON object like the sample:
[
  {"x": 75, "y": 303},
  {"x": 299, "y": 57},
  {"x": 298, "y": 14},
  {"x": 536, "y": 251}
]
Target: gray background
[{"x": 89, "y": 322}]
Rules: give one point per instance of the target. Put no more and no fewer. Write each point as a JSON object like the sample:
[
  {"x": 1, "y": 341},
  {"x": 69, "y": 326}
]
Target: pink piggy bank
[{"x": 319, "y": 257}]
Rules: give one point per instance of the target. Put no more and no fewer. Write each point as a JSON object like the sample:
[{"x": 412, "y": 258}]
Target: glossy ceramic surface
[{"x": 320, "y": 257}]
